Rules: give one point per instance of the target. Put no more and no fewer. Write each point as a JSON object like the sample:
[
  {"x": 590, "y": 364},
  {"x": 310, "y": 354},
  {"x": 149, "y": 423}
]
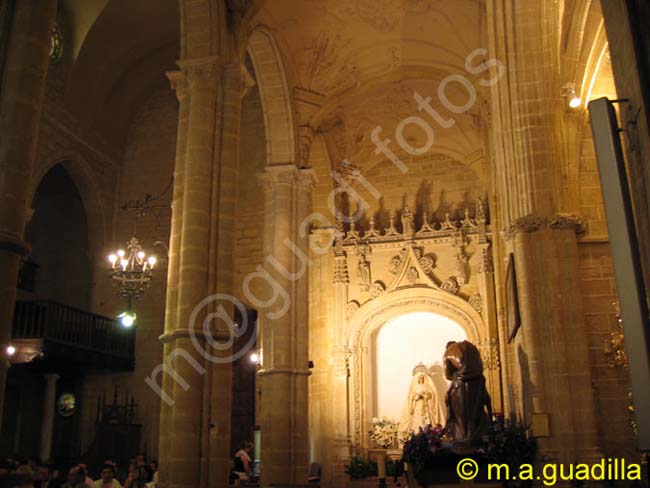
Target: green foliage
[{"x": 360, "y": 468}]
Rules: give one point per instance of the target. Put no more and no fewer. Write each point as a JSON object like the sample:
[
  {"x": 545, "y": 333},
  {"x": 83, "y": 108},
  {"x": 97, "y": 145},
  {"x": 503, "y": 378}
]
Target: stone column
[
  {"x": 21, "y": 102},
  {"x": 551, "y": 348},
  {"x": 179, "y": 85},
  {"x": 284, "y": 324},
  {"x": 48, "y": 416},
  {"x": 305, "y": 181},
  {"x": 195, "y": 422},
  {"x": 486, "y": 306},
  {"x": 341, "y": 371},
  {"x": 223, "y": 220},
  {"x": 181, "y": 415},
  {"x": 333, "y": 428}
]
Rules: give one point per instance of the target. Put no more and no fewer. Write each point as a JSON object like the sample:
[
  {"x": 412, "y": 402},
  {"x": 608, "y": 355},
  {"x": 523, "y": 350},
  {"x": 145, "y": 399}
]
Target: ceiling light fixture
[
  {"x": 131, "y": 270},
  {"x": 571, "y": 96}
]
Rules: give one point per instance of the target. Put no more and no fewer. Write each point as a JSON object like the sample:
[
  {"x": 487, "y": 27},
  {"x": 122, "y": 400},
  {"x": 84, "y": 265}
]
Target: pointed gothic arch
[{"x": 276, "y": 99}]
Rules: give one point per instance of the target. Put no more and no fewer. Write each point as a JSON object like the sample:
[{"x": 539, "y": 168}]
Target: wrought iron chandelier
[{"x": 131, "y": 270}]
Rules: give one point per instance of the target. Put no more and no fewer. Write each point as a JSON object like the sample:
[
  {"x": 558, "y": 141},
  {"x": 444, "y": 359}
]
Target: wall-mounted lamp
[{"x": 572, "y": 98}]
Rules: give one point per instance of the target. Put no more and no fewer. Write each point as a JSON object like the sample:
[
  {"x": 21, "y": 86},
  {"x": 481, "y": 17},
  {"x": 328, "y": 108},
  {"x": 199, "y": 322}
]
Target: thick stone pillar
[
  {"x": 21, "y": 102},
  {"x": 197, "y": 383},
  {"x": 48, "y": 416},
  {"x": 179, "y": 85},
  {"x": 284, "y": 327},
  {"x": 551, "y": 349},
  {"x": 184, "y": 341},
  {"x": 341, "y": 405},
  {"x": 222, "y": 270}
]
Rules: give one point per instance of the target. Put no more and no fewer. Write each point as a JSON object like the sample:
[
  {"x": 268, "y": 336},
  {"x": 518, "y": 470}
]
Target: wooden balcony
[{"x": 60, "y": 332}]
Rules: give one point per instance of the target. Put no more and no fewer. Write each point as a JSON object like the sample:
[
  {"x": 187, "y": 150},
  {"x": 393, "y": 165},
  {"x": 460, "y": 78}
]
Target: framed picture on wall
[{"x": 512, "y": 299}]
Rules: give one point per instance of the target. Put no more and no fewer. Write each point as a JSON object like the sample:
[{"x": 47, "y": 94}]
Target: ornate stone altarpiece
[{"x": 443, "y": 267}]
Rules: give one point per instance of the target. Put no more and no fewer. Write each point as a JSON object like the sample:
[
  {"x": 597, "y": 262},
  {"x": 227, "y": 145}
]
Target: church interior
[{"x": 271, "y": 242}]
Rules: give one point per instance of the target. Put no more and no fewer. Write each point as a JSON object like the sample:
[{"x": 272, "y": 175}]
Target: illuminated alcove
[{"x": 400, "y": 345}]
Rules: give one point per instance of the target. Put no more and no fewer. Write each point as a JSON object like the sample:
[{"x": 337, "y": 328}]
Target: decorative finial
[
  {"x": 372, "y": 231},
  {"x": 392, "y": 231}
]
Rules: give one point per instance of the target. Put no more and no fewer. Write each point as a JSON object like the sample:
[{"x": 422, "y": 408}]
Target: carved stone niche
[{"x": 451, "y": 257}]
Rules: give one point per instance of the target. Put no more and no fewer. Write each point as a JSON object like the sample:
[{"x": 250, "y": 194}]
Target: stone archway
[
  {"x": 276, "y": 101},
  {"x": 370, "y": 318},
  {"x": 283, "y": 377},
  {"x": 58, "y": 234},
  {"x": 79, "y": 170}
]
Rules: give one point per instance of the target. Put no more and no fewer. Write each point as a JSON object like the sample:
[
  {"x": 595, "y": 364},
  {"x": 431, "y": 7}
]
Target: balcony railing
[{"x": 92, "y": 339}]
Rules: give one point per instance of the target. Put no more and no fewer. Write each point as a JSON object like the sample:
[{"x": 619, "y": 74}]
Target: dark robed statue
[{"x": 469, "y": 409}]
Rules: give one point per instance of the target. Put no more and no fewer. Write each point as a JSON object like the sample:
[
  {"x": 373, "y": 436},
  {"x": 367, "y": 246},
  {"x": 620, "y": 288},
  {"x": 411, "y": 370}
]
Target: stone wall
[
  {"x": 590, "y": 194},
  {"x": 147, "y": 169},
  {"x": 611, "y": 385},
  {"x": 598, "y": 287},
  {"x": 249, "y": 192}
]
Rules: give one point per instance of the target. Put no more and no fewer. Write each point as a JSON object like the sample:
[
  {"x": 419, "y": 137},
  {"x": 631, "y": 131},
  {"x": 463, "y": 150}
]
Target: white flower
[{"x": 385, "y": 432}]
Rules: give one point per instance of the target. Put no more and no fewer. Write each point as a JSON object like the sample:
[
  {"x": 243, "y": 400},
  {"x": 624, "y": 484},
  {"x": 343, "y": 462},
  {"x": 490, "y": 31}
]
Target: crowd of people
[
  {"x": 16, "y": 473},
  {"x": 28, "y": 473}
]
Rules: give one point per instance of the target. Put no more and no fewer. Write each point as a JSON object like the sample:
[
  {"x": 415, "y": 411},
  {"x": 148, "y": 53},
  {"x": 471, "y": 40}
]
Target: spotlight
[
  {"x": 575, "y": 102},
  {"x": 127, "y": 319},
  {"x": 569, "y": 92},
  {"x": 254, "y": 357},
  {"x": 11, "y": 350}
]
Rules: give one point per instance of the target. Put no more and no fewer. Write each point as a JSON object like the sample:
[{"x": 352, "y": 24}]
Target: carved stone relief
[
  {"x": 363, "y": 268},
  {"x": 451, "y": 286},
  {"x": 377, "y": 289},
  {"x": 476, "y": 302}
]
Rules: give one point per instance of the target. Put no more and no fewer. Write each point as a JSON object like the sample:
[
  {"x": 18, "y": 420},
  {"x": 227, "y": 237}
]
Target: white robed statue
[{"x": 423, "y": 405}]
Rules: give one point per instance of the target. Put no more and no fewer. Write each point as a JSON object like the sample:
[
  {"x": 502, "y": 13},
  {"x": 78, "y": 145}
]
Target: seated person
[
  {"x": 107, "y": 479},
  {"x": 137, "y": 477},
  {"x": 243, "y": 463},
  {"x": 119, "y": 474},
  {"x": 76, "y": 477}
]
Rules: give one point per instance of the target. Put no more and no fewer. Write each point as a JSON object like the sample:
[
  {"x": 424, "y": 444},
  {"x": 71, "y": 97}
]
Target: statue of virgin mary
[{"x": 423, "y": 406}]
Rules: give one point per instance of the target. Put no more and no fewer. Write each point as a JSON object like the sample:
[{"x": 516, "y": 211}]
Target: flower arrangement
[
  {"x": 421, "y": 449},
  {"x": 508, "y": 442},
  {"x": 385, "y": 432}
]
